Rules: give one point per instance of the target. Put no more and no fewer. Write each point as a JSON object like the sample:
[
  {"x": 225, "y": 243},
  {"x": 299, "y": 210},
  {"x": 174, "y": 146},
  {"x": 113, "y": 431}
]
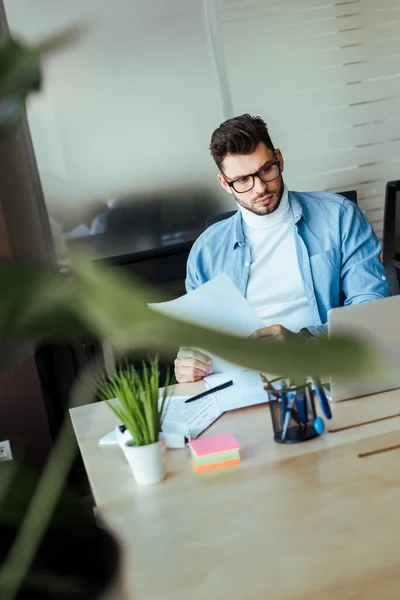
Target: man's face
[{"x": 265, "y": 197}]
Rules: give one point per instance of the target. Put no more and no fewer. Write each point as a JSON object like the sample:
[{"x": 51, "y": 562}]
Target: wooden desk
[{"x": 310, "y": 521}]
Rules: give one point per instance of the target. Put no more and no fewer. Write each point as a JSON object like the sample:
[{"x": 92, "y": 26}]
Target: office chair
[
  {"x": 350, "y": 195},
  {"x": 391, "y": 236}
]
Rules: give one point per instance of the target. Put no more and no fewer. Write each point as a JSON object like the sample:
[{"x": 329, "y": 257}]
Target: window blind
[{"x": 326, "y": 77}]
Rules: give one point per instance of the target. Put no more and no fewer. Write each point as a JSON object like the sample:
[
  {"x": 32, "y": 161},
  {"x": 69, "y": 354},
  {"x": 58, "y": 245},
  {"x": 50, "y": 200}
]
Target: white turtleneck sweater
[{"x": 275, "y": 289}]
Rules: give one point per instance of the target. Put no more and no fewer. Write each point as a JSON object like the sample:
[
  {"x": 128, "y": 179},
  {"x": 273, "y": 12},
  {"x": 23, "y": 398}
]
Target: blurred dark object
[
  {"x": 350, "y": 195},
  {"x": 391, "y": 236},
  {"x": 76, "y": 558},
  {"x": 133, "y": 225},
  {"x": 72, "y": 563},
  {"x": 162, "y": 267},
  {"x": 59, "y": 364}
]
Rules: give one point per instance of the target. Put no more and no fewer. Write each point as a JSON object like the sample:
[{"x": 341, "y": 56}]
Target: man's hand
[
  {"x": 192, "y": 365},
  {"x": 277, "y": 332}
]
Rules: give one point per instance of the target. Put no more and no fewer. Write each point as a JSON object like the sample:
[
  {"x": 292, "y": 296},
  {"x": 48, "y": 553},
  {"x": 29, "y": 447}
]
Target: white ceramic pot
[{"x": 147, "y": 462}]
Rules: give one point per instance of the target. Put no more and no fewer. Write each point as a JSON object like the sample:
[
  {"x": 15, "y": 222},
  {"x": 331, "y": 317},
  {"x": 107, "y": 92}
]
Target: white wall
[{"x": 326, "y": 76}]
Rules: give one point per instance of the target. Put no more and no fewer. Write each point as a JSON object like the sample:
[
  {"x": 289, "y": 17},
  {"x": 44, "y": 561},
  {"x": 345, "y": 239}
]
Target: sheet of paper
[
  {"x": 109, "y": 439},
  {"x": 192, "y": 418},
  {"x": 247, "y": 390},
  {"x": 217, "y": 304}
]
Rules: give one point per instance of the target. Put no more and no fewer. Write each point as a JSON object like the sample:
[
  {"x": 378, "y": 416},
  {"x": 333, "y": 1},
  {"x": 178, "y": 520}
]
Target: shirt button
[
  {"x": 384, "y": 277},
  {"x": 247, "y": 264},
  {"x": 241, "y": 244}
]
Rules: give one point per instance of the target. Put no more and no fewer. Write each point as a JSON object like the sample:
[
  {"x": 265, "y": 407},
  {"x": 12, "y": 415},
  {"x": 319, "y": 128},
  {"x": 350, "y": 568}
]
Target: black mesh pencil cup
[{"x": 292, "y": 410}]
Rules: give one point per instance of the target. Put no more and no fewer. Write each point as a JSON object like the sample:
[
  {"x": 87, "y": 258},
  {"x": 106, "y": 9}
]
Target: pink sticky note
[{"x": 214, "y": 444}]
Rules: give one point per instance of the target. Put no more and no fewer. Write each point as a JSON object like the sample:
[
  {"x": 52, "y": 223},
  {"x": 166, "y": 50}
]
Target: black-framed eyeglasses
[{"x": 246, "y": 183}]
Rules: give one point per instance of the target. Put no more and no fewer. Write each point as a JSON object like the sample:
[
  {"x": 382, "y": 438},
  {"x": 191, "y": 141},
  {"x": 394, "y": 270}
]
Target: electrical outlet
[{"x": 5, "y": 451}]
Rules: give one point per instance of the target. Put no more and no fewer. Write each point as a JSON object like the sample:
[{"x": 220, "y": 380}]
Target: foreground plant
[{"x": 38, "y": 304}]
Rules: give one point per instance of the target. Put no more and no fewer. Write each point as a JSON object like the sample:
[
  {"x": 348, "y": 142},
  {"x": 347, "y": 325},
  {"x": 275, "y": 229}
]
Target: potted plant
[{"x": 140, "y": 410}]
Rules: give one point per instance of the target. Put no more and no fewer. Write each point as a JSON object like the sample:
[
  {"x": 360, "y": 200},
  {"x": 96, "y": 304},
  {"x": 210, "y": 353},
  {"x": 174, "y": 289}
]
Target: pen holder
[{"x": 293, "y": 412}]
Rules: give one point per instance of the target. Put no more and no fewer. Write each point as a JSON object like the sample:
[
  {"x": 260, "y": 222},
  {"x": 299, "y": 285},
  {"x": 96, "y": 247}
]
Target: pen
[
  {"x": 301, "y": 406},
  {"x": 319, "y": 390},
  {"x": 210, "y": 391}
]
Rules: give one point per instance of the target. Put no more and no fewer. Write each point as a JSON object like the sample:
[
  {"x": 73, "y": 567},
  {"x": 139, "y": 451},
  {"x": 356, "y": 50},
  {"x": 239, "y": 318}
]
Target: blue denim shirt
[{"x": 337, "y": 252}]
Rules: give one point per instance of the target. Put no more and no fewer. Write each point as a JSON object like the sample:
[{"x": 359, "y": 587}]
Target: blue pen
[
  {"x": 319, "y": 390},
  {"x": 301, "y": 407}
]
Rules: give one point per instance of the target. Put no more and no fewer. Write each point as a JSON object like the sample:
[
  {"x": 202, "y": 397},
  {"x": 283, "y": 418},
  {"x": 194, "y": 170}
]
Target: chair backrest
[
  {"x": 391, "y": 221},
  {"x": 391, "y": 236},
  {"x": 350, "y": 195}
]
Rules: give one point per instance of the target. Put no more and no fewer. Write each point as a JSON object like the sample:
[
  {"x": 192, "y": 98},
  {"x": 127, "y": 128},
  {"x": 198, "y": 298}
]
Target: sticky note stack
[{"x": 214, "y": 452}]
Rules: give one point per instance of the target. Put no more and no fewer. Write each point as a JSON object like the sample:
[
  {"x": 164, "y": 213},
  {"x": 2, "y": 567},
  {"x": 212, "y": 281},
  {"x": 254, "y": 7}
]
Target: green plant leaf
[
  {"x": 20, "y": 72},
  {"x": 21, "y": 485},
  {"x": 137, "y": 404},
  {"x": 135, "y": 326},
  {"x": 20, "y": 69},
  {"x": 36, "y": 303},
  {"x": 62, "y": 39}
]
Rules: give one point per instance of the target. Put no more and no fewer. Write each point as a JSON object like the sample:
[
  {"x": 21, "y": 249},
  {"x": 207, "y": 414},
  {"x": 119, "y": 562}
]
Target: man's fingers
[
  {"x": 195, "y": 354},
  {"x": 191, "y": 364},
  {"x": 270, "y": 331},
  {"x": 189, "y": 374},
  {"x": 197, "y": 364},
  {"x": 188, "y": 378},
  {"x": 190, "y": 369}
]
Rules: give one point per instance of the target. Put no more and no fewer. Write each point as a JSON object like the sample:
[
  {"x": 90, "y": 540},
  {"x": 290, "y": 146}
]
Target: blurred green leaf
[
  {"x": 21, "y": 482},
  {"x": 62, "y": 39},
  {"x": 36, "y": 303},
  {"x": 20, "y": 72},
  {"x": 20, "y": 69}
]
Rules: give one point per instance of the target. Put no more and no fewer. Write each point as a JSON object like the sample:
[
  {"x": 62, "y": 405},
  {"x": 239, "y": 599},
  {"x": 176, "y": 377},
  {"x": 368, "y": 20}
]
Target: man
[{"x": 293, "y": 255}]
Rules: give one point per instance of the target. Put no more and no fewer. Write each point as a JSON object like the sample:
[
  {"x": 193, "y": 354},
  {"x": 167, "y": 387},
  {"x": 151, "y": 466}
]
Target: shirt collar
[
  {"x": 251, "y": 220},
  {"x": 295, "y": 206}
]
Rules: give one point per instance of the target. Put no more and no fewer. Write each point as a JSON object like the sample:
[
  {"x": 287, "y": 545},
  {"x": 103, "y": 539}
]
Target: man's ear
[
  {"x": 223, "y": 183},
  {"x": 279, "y": 156}
]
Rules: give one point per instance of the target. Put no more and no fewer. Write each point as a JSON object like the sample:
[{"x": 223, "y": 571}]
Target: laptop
[{"x": 379, "y": 323}]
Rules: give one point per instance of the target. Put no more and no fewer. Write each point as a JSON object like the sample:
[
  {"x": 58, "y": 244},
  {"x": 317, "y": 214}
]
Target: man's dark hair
[{"x": 240, "y": 135}]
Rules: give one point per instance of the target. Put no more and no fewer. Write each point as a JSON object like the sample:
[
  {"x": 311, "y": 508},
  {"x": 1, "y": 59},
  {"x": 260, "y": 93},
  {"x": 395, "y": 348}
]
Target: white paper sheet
[
  {"x": 217, "y": 304},
  {"x": 247, "y": 390},
  {"x": 192, "y": 418}
]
